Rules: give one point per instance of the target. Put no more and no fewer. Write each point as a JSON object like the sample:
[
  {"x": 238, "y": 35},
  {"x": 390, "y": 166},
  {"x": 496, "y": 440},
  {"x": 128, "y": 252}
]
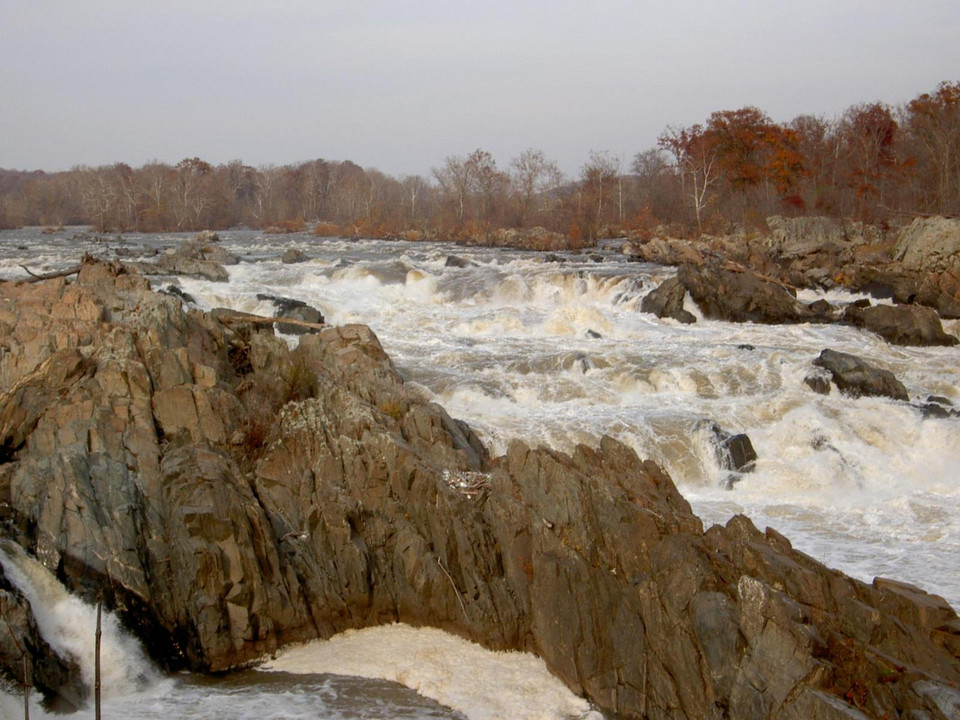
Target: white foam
[
  {"x": 482, "y": 684},
  {"x": 69, "y": 626}
]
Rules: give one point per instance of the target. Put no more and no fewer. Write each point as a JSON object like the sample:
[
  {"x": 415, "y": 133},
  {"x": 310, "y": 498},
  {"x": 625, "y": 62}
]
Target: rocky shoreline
[
  {"x": 755, "y": 278},
  {"x": 227, "y": 495}
]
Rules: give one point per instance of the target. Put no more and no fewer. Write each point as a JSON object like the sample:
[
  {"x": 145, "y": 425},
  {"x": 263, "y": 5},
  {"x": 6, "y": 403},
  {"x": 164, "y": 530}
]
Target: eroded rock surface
[{"x": 229, "y": 495}]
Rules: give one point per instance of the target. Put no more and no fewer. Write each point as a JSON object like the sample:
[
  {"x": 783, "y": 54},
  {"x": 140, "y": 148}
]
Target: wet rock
[
  {"x": 58, "y": 679},
  {"x": 666, "y": 300},
  {"x": 854, "y": 376},
  {"x": 901, "y": 324},
  {"x": 822, "y": 310},
  {"x": 293, "y": 256},
  {"x": 740, "y": 295},
  {"x": 176, "y": 292},
  {"x": 293, "y": 310},
  {"x": 257, "y": 495},
  {"x": 592, "y": 335},
  {"x": 746, "y": 346},
  {"x": 818, "y": 380},
  {"x": 735, "y": 452},
  {"x": 453, "y": 261},
  {"x": 938, "y": 407}
]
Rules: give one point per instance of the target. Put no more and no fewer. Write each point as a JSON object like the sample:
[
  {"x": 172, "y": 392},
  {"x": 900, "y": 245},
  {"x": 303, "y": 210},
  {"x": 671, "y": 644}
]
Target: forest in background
[{"x": 875, "y": 163}]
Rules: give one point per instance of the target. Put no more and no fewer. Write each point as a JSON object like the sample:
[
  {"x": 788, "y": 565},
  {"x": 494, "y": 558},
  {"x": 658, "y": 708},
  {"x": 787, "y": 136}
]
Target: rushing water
[{"x": 558, "y": 353}]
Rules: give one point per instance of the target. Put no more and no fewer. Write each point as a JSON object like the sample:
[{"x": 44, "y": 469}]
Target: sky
[{"x": 401, "y": 85}]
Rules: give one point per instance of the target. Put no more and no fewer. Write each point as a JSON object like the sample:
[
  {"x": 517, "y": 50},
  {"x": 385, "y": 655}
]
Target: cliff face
[{"x": 229, "y": 495}]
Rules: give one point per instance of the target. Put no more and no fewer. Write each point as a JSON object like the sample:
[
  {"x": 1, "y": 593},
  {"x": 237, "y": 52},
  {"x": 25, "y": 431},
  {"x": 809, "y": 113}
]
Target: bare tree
[{"x": 533, "y": 177}]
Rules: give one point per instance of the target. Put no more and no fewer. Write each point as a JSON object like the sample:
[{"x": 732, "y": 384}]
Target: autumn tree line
[{"x": 875, "y": 163}]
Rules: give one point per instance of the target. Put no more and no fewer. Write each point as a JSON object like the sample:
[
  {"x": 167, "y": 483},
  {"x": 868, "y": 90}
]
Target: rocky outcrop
[
  {"x": 929, "y": 244},
  {"x": 741, "y": 295},
  {"x": 854, "y": 376},
  {"x": 229, "y": 495},
  {"x": 666, "y": 300},
  {"x": 201, "y": 257}
]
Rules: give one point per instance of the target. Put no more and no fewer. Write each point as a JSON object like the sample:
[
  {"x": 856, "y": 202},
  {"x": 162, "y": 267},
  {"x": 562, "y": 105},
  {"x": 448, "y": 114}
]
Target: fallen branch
[
  {"x": 49, "y": 276},
  {"x": 738, "y": 268},
  {"x": 261, "y": 320},
  {"x": 455, "y": 590}
]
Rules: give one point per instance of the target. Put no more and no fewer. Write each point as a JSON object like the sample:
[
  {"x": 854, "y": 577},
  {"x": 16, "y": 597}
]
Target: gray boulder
[
  {"x": 928, "y": 244},
  {"x": 901, "y": 324},
  {"x": 292, "y": 256},
  {"x": 854, "y": 376}
]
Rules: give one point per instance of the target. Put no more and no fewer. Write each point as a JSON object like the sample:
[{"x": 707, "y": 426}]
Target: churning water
[{"x": 555, "y": 351}]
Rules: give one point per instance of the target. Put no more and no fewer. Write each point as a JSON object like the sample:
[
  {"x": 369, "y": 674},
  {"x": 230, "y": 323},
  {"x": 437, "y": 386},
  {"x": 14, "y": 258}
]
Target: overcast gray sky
[{"x": 401, "y": 85}]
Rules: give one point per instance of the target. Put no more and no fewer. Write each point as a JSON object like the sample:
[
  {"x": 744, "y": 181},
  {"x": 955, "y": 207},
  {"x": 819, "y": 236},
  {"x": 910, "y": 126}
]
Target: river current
[{"x": 554, "y": 350}]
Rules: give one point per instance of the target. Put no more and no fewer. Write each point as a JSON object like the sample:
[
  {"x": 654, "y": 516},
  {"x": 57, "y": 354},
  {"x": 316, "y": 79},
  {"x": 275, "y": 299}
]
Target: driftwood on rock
[
  {"x": 239, "y": 317},
  {"x": 34, "y": 277}
]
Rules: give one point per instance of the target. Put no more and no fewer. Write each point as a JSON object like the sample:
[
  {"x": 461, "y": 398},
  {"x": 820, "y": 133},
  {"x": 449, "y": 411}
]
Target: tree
[
  {"x": 532, "y": 176},
  {"x": 755, "y": 155},
  {"x": 869, "y": 132},
  {"x": 192, "y": 194},
  {"x": 934, "y": 121},
  {"x": 696, "y": 160}
]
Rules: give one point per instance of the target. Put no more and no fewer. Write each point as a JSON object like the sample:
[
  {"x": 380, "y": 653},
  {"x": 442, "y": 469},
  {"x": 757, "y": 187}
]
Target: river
[{"x": 554, "y": 350}]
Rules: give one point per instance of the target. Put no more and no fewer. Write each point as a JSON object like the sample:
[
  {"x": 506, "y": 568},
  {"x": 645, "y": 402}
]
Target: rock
[
  {"x": 741, "y": 295},
  {"x": 794, "y": 237},
  {"x": 666, "y": 300},
  {"x": 746, "y": 346},
  {"x": 292, "y": 256},
  {"x": 901, "y": 324},
  {"x": 883, "y": 281},
  {"x": 199, "y": 257},
  {"x": 822, "y": 310},
  {"x": 941, "y": 291},
  {"x": 818, "y": 380},
  {"x": 928, "y": 244},
  {"x": 293, "y": 310},
  {"x": 938, "y": 407},
  {"x": 734, "y": 452},
  {"x": 59, "y": 679},
  {"x": 854, "y": 376},
  {"x": 229, "y": 495},
  {"x": 453, "y": 261},
  {"x": 592, "y": 335},
  {"x": 176, "y": 292}
]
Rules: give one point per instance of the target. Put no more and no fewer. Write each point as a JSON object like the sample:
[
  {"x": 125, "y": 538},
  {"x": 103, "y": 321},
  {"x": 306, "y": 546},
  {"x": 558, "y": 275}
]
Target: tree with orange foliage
[
  {"x": 869, "y": 133},
  {"x": 755, "y": 152}
]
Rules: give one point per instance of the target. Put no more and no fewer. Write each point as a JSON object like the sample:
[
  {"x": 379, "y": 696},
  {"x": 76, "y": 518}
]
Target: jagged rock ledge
[{"x": 228, "y": 495}]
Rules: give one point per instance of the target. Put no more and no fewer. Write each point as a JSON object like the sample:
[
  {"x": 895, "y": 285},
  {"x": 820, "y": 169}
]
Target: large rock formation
[
  {"x": 666, "y": 300},
  {"x": 738, "y": 294},
  {"x": 229, "y": 495}
]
